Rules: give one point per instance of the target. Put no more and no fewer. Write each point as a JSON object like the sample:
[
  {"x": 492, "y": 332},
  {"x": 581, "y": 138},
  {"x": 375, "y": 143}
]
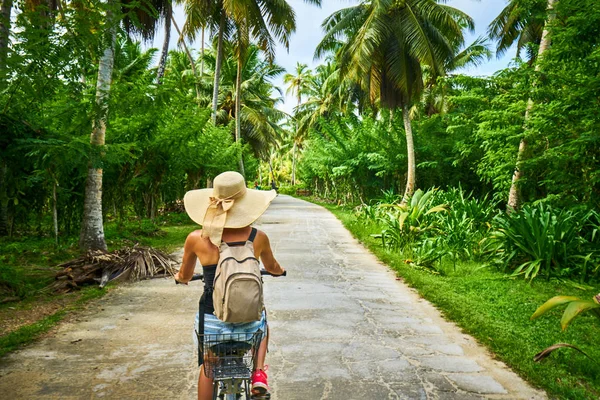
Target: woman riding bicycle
[{"x": 225, "y": 213}]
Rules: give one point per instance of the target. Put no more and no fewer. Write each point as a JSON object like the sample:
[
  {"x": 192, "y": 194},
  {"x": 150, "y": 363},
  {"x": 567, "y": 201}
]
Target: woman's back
[{"x": 207, "y": 253}]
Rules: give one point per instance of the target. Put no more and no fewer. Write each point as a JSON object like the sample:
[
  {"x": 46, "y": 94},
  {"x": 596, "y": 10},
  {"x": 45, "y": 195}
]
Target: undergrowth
[
  {"x": 28, "y": 265},
  {"x": 495, "y": 308}
]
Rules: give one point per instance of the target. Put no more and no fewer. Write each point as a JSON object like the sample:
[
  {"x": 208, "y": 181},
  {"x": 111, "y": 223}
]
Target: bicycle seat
[{"x": 230, "y": 348}]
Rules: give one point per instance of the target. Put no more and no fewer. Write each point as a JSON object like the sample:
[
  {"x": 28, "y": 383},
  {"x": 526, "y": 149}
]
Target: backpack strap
[{"x": 252, "y": 235}]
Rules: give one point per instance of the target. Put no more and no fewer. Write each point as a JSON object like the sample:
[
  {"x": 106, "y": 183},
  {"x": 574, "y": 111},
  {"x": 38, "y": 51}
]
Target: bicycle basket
[{"x": 230, "y": 355}]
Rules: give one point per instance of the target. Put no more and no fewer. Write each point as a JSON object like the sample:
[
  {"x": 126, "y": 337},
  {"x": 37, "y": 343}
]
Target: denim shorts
[{"x": 214, "y": 326}]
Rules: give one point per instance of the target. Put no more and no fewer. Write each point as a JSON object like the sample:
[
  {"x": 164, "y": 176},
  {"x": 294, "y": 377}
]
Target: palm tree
[
  {"x": 253, "y": 19},
  {"x": 264, "y": 21},
  {"x": 180, "y": 77},
  {"x": 209, "y": 14},
  {"x": 92, "y": 227},
  {"x": 300, "y": 84},
  {"x": 521, "y": 22},
  {"x": 514, "y": 196},
  {"x": 168, "y": 15},
  {"x": 384, "y": 46},
  {"x": 139, "y": 21},
  {"x": 202, "y": 15},
  {"x": 259, "y": 117},
  {"x": 5, "y": 11},
  {"x": 329, "y": 93},
  {"x": 434, "y": 94}
]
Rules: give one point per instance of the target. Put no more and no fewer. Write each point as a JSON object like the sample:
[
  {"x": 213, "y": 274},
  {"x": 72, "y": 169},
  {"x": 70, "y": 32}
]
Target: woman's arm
[
  {"x": 188, "y": 263},
  {"x": 267, "y": 257}
]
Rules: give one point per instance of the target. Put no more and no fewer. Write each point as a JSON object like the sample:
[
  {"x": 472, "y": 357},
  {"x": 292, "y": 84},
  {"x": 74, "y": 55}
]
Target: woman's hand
[{"x": 178, "y": 278}]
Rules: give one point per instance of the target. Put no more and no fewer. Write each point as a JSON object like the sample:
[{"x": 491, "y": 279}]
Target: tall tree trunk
[
  {"x": 238, "y": 109},
  {"x": 92, "y": 228},
  {"x": 218, "y": 62},
  {"x": 272, "y": 173},
  {"x": 5, "y": 10},
  {"x": 55, "y": 211},
  {"x": 514, "y": 194},
  {"x": 410, "y": 150},
  {"x": 294, "y": 163},
  {"x": 295, "y": 145},
  {"x": 4, "y": 231},
  {"x": 165, "y": 48},
  {"x": 202, "y": 54},
  {"x": 190, "y": 58}
]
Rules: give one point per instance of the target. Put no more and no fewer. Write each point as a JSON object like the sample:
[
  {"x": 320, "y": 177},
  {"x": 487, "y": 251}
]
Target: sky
[{"x": 309, "y": 33}]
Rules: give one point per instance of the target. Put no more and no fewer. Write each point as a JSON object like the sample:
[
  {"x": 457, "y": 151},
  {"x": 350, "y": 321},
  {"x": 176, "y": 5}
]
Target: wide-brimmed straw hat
[{"x": 229, "y": 204}]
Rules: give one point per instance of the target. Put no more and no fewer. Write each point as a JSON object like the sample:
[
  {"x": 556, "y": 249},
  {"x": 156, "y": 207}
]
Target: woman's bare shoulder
[
  {"x": 262, "y": 239},
  {"x": 260, "y": 234},
  {"x": 195, "y": 235},
  {"x": 195, "y": 239}
]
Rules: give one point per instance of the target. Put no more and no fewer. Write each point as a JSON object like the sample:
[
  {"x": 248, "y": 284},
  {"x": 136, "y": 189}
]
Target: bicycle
[{"x": 230, "y": 360}]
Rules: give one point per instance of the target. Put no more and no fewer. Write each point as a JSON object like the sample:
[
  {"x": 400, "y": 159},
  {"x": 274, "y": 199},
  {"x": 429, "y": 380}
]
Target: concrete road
[{"x": 342, "y": 328}]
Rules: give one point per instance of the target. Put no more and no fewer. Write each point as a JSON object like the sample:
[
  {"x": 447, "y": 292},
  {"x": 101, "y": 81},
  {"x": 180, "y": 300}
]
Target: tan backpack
[{"x": 238, "y": 286}]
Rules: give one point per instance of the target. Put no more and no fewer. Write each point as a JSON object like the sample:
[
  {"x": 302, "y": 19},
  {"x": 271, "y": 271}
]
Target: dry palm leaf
[
  {"x": 127, "y": 264},
  {"x": 546, "y": 352}
]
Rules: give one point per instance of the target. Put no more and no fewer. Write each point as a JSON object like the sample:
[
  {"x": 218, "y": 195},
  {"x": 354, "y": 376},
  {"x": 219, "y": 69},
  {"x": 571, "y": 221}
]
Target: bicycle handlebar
[
  {"x": 265, "y": 272},
  {"x": 199, "y": 277}
]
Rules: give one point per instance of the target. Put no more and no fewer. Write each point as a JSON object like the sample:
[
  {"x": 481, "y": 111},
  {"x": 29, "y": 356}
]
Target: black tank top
[{"x": 209, "y": 276}]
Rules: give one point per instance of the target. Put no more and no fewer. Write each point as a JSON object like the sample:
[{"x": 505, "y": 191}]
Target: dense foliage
[
  {"x": 159, "y": 141},
  {"x": 467, "y": 131}
]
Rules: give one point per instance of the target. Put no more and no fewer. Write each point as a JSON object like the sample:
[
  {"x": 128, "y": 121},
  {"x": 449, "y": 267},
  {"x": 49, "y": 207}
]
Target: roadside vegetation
[
  {"x": 495, "y": 307},
  {"x": 28, "y": 266},
  {"x": 483, "y": 193}
]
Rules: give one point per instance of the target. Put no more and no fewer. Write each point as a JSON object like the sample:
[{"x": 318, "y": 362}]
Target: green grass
[
  {"x": 167, "y": 238},
  {"x": 495, "y": 309},
  {"x": 28, "y": 264}
]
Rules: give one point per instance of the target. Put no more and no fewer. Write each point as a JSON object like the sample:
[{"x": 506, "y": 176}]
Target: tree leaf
[
  {"x": 550, "y": 304},
  {"x": 436, "y": 209},
  {"x": 546, "y": 352},
  {"x": 574, "y": 309}
]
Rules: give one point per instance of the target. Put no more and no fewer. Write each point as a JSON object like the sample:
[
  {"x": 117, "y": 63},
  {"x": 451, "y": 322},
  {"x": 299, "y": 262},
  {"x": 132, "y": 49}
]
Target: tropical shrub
[
  {"x": 405, "y": 224},
  {"x": 291, "y": 190},
  {"x": 575, "y": 306},
  {"x": 540, "y": 240},
  {"x": 368, "y": 212},
  {"x": 465, "y": 224},
  {"x": 428, "y": 252}
]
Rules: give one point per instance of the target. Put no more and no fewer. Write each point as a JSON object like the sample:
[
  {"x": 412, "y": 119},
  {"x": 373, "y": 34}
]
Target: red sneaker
[{"x": 259, "y": 382}]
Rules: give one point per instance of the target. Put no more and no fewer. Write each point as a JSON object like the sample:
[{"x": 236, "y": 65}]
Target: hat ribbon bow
[
  {"x": 214, "y": 219},
  {"x": 225, "y": 204}
]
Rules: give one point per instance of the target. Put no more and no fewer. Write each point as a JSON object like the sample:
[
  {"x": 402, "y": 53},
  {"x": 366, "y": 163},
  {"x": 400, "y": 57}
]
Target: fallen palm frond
[
  {"x": 546, "y": 352},
  {"x": 98, "y": 267}
]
